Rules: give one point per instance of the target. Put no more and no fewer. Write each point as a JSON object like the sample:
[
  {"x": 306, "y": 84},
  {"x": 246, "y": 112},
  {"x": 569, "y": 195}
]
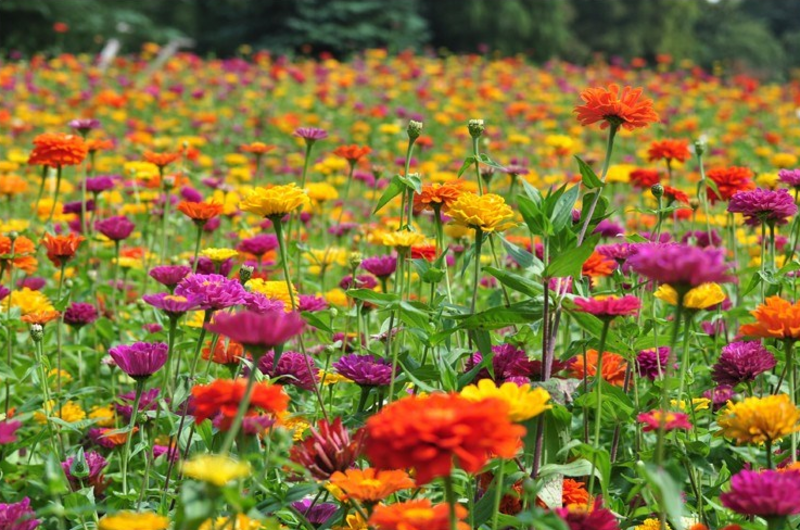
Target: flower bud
[
  {"x": 245, "y": 273},
  {"x": 13, "y": 235},
  {"x": 169, "y": 182},
  {"x": 657, "y": 190},
  {"x": 699, "y": 147},
  {"x": 414, "y": 129},
  {"x": 355, "y": 259},
  {"x": 694, "y": 204},
  {"x": 79, "y": 468},
  {"x": 476, "y": 128},
  {"x": 37, "y": 332}
]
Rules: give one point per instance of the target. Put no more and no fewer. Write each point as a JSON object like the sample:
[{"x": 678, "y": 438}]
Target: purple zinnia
[
  {"x": 766, "y": 493},
  {"x": 99, "y": 184},
  {"x": 170, "y": 275},
  {"x": 173, "y": 305},
  {"x": 742, "y": 362},
  {"x": 4, "y": 291},
  {"x": 311, "y": 303},
  {"x": 95, "y": 464},
  {"x": 790, "y": 177},
  {"x": 316, "y": 514},
  {"x": 212, "y": 291},
  {"x": 508, "y": 363},
  {"x": 380, "y": 266},
  {"x": 77, "y": 207},
  {"x": 617, "y": 251},
  {"x": 342, "y": 229},
  {"x": 79, "y": 314},
  {"x": 763, "y": 206},
  {"x": 34, "y": 283},
  {"x": 310, "y": 134},
  {"x": 258, "y": 332},
  {"x": 651, "y": 364},
  {"x": 294, "y": 368},
  {"x": 115, "y": 228},
  {"x": 362, "y": 281},
  {"x": 258, "y": 245},
  {"x": 702, "y": 238},
  {"x": 365, "y": 370},
  {"x": 148, "y": 401},
  {"x": 680, "y": 266},
  {"x": 607, "y": 228},
  {"x": 719, "y": 396},
  {"x": 140, "y": 360},
  {"x": 8, "y": 431},
  {"x": 206, "y": 266},
  {"x": 598, "y": 518},
  {"x": 18, "y": 516},
  {"x": 84, "y": 125}
]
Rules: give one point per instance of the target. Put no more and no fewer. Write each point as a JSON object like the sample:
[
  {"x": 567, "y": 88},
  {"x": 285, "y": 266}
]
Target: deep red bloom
[{"x": 329, "y": 449}]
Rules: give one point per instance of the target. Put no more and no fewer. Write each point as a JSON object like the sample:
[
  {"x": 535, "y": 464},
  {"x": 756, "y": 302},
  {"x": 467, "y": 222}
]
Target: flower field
[{"x": 396, "y": 293}]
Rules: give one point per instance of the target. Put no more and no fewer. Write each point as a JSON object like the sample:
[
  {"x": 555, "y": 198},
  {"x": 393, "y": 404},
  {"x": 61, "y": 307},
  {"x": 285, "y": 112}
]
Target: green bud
[
  {"x": 355, "y": 259},
  {"x": 245, "y": 273},
  {"x": 414, "y": 129},
  {"x": 37, "y": 332},
  {"x": 657, "y": 190},
  {"x": 476, "y": 128}
]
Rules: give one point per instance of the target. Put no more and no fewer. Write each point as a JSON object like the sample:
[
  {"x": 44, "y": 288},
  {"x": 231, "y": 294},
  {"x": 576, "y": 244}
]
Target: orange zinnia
[
  {"x": 22, "y": 256},
  {"x": 220, "y": 399},
  {"x": 627, "y": 109},
  {"x": 669, "y": 150},
  {"x": 598, "y": 266},
  {"x": 257, "y": 148},
  {"x": 574, "y": 492},
  {"x": 227, "y": 355},
  {"x": 12, "y": 185},
  {"x": 437, "y": 196},
  {"x": 161, "y": 159},
  {"x": 95, "y": 145},
  {"x": 58, "y": 149},
  {"x": 352, "y": 153},
  {"x": 371, "y": 485},
  {"x": 729, "y": 181},
  {"x": 673, "y": 195},
  {"x": 200, "y": 212},
  {"x": 416, "y": 515},
  {"x": 61, "y": 248},
  {"x": 776, "y": 318},
  {"x": 429, "y": 433},
  {"x": 40, "y": 317},
  {"x": 613, "y": 367}
]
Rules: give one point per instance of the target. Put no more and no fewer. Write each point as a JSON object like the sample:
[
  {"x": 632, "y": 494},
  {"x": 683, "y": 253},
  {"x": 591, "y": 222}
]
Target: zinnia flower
[
  {"x": 258, "y": 332},
  {"x": 627, "y": 109},
  {"x": 274, "y": 202},
  {"x": 432, "y": 433},
  {"x": 371, "y": 485},
  {"x": 140, "y": 360},
  {"x": 776, "y": 318},
  {"x": 173, "y": 306},
  {"x": 416, "y": 515},
  {"x": 310, "y": 134},
  {"x": 742, "y": 362},
  {"x": 8, "y": 431},
  {"x": 701, "y": 297},
  {"x": 613, "y": 367},
  {"x": 200, "y": 212},
  {"x": 668, "y": 150},
  {"x": 763, "y": 206},
  {"x": 766, "y": 493},
  {"x": 18, "y": 253},
  {"x": 365, "y": 370},
  {"x": 352, "y": 153},
  {"x": 757, "y": 420},
  {"x": 651, "y": 363},
  {"x": 380, "y": 266},
  {"x": 79, "y": 314},
  {"x": 212, "y": 291},
  {"x": 523, "y": 402},
  {"x": 644, "y": 179},
  {"x": 328, "y": 449},
  {"x": 133, "y": 521},
  {"x": 609, "y": 307},
  {"x": 487, "y": 213},
  {"x": 218, "y": 470},
  {"x": 57, "y": 150},
  {"x": 115, "y": 228},
  {"x": 61, "y": 249},
  {"x": 293, "y": 368},
  {"x": 729, "y": 182},
  {"x": 437, "y": 196},
  {"x": 220, "y": 400},
  {"x": 161, "y": 159},
  {"x": 672, "y": 420},
  {"x": 169, "y": 275},
  {"x": 588, "y": 518},
  {"x": 18, "y": 516},
  {"x": 681, "y": 266}
]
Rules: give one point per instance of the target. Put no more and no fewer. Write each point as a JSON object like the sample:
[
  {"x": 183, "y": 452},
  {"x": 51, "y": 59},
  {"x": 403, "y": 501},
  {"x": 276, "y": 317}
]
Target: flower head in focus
[
  {"x": 757, "y": 420},
  {"x": 612, "y": 107}
]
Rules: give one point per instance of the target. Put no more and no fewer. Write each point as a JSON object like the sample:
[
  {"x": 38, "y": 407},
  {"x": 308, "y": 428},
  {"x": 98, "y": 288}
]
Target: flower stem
[
  {"x": 476, "y": 153},
  {"x": 450, "y": 495},
  {"x": 599, "y": 388},
  {"x": 131, "y": 424},
  {"x": 789, "y": 350},
  {"x": 667, "y": 374},
  {"x": 55, "y": 196},
  {"x": 498, "y": 493},
  {"x": 243, "y": 406},
  {"x": 197, "y": 247},
  {"x": 477, "y": 272},
  {"x": 612, "y": 132}
]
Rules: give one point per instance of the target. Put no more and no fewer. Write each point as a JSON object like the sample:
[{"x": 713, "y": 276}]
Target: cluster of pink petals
[{"x": 610, "y": 307}]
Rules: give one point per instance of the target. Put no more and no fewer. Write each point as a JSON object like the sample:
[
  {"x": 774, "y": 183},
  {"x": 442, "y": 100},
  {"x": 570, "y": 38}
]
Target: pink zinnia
[
  {"x": 258, "y": 332},
  {"x": 763, "y": 206},
  {"x": 681, "y": 266},
  {"x": 610, "y": 307},
  {"x": 672, "y": 420},
  {"x": 8, "y": 431},
  {"x": 598, "y": 518},
  {"x": 140, "y": 360},
  {"x": 764, "y": 493}
]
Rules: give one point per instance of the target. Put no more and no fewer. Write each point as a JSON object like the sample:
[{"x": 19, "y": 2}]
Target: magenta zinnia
[
  {"x": 764, "y": 493},
  {"x": 259, "y": 332}
]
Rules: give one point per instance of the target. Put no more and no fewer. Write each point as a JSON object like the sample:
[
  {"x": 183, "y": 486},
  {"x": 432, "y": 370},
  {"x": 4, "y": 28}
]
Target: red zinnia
[
  {"x": 200, "y": 212},
  {"x": 729, "y": 181},
  {"x": 673, "y": 195},
  {"x": 672, "y": 420},
  {"x": 644, "y": 178},
  {"x": 58, "y": 149},
  {"x": 61, "y": 248},
  {"x": 222, "y": 397},
  {"x": 428, "y": 433},
  {"x": 669, "y": 150},
  {"x": 352, "y": 153},
  {"x": 627, "y": 109}
]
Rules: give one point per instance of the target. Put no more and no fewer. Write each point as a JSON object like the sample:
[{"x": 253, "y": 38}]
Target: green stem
[
  {"x": 477, "y": 271},
  {"x": 476, "y": 154},
  {"x": 667, "y": 375},
  {"x": 197, "y": 247},
  {"x": 789, "y": 351},
  {"x": 173, "y": 326},
  {"x": 131, "y": 424},
  {"x": 612, "y": 132},
  {"x": 243, "y": 406},
  {"x": 450, "y": 495},
  {"x": 498, "y": 494},
  {"x": 599, "y": 388},
  {"x": 55, "y": 196}
]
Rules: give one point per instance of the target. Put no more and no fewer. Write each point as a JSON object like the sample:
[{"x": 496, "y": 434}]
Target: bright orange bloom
[
  {"x": 511, "y": 502},
  {"x": 230, "y": 354},
  {"x": 352, "y": 153},
  {"x": 161, "y": 159},
  {"x": 598, "y": 266},
  {"x": 220, "y": 399},
  {"x": 574, "y": 492},
  {"x": 371, "y": 485},
  {"x": 22, "y": 256},
  {"x": 257, "y": 148},
  {"x": 776, "y": 318},
  {"x": 416, "y": 515},
  {"x": 200, "y": 212},
  {"x": 428, "y": 433},
  {"x": 12, "y": 185},
  {"x": 729, "y": 181},
  {"x": 613, "y": 367},
  {"x": 627, "y": 109},
  {"x": 61, "y": 248},
  {"x": 95, "y": 145},
  {"x": 644, "y": 178},
  {"x": 673, "y": 194},
  {"x": 669, "y": 150},
  {"x": 114, "y": 439},
  {"x": 40, "y": 317},
  {"x": 435, "y": 196},
  {"x": 58, "y": 149}
]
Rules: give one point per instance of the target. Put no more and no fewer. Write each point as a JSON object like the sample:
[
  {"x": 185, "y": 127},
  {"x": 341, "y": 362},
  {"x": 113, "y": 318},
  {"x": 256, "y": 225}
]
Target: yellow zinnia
[
  {"x": 29, "y": 301},
  {"x": 218, "y": 255},
  {"x": 273, "y": 202},
  {"x": 523, "y": 401},
  {"x": 215, "y": 469},
  {"x": 273, "y": 290},
  {"x": 133, "y": 521},
  {"x": 239, "y": 522},
  {"x": 757, "y": 420},
  {"x": 402, "y": 239},
  {"x": 701, "y": 297},
  {"x": 488, "y": 213}
]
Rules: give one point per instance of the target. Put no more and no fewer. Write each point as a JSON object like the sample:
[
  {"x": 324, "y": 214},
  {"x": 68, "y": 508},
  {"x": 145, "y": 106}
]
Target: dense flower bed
[{"x": 398, "y": 293}]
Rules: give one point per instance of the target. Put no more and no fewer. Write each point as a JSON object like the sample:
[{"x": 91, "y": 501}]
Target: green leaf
[
  {"x": 373, "y": 297},
  {"x": 484, "y": 159},
  {"x": 588, "y": 176},
  {"x": 562, "y": 212},
  {"x": 594, "y": 326},
  {"x": 518, "y": 254},
  {"x": 532, "y": 214},
  {"x": 516, "y": 282},
  {"x": 666, "y": 490},
  {"x": 501, "y": 317},
  {"x": 412, "y": 182},
  {"x": 395, "y": 188},
  {"x": 315, "y": 321},
  {"x": 467, "y": 162},
  {"x": 570, "y": 262}
]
